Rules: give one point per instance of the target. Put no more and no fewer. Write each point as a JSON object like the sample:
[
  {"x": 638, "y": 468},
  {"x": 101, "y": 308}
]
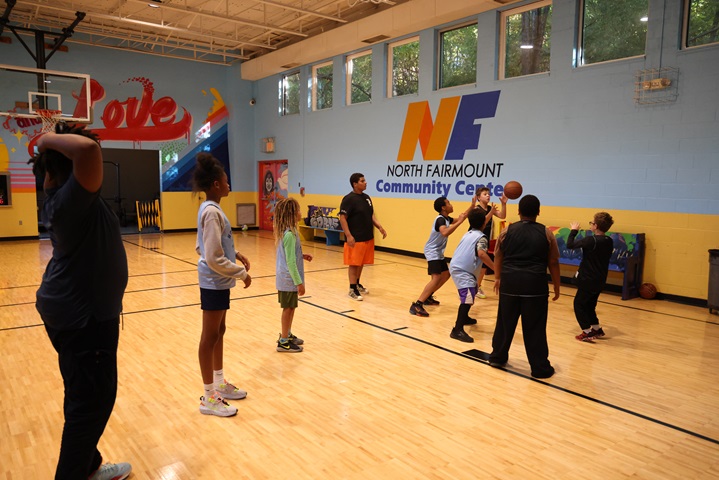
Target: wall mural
[
  {"x": 212, "y": 137},
  {"x": 144, "y": 117}
]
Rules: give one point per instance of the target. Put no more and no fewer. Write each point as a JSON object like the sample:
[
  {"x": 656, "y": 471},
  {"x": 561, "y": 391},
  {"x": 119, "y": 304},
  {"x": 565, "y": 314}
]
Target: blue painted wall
[{"x": 573, "y": 136}]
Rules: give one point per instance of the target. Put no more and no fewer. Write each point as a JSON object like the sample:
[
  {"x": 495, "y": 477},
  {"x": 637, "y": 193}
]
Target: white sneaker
[
  {"x": 216, "y": 405},
  {"x": 354, "y": 296},
  {"x": 362, "y": 290},
  {"x": 112, "y": 471},
  {"x": 229, "y": 391},
  {"x": 480, "y": 293}
]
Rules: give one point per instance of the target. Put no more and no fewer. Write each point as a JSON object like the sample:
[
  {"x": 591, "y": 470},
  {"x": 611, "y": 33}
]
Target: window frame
[
  {"x": 685, "y": 29},
  {"x": 502, "y": 60},
  {"x": 283, "y": 103},
  {"x": 390, "y": 67},
  {"x": 441, "y": 32},
  {"x": 579, "y": 50},
  {"x": 348, "y": 76},
  {"x": 315, "y": 68}
]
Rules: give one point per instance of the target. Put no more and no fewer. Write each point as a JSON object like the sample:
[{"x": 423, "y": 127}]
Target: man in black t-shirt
[
  {"x": 80, "y": 297},
  {"x": 358, "y": 221},
  {"x": 522, "y": 255}
]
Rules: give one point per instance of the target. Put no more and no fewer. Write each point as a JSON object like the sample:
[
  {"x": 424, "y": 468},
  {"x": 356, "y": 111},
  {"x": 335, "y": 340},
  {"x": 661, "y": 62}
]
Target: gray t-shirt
[{"x": 86, "y": 277}]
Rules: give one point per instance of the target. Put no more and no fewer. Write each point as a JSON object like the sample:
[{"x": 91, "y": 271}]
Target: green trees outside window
[
  {"x": 403, "y": 65},
  {"x": 322, "y": 86},
  {"x": 359, "y": 78},
  {"x": 612, "y": 30},
  {"x": 702, "y": 22},
  {"x": 458, "y": 56},
  {"x": 290, "y": 94},
  {"x": 525, "y": 36}
]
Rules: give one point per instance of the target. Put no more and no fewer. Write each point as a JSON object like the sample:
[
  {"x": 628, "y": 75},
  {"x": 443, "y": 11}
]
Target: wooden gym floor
[{"x": 377, "y": 393}]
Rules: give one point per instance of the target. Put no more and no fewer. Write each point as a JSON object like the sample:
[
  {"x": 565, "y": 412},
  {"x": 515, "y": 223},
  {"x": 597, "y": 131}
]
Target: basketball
[
  {"x": 513, "y": 190},
  {"x": 648, "y": 291}
]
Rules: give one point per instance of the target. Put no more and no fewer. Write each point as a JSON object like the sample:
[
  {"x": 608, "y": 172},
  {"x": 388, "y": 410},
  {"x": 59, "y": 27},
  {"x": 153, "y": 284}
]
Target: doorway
[{"x": 272, "y": 188}]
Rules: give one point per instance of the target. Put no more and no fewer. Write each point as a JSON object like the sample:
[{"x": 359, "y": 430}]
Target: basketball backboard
[{"x": 27, "y": 90}]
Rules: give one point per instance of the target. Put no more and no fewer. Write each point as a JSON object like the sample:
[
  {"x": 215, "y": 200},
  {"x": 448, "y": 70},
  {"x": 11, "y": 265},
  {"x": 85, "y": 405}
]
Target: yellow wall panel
[
  {"x": 19, "y": 219},
  {"x": 677, "y": 244}
]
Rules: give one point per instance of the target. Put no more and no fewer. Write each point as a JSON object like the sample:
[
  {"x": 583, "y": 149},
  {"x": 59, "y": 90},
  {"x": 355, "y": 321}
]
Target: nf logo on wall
[
  {"x": 456, "y": 116},
  {"x": 448, "y": 136}
]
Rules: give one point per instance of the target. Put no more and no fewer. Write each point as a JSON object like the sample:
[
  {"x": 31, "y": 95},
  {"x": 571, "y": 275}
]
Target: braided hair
[{"x": 285, "y": 217}]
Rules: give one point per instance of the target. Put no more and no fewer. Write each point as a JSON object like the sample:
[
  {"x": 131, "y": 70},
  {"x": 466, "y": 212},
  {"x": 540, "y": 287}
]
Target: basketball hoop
[{"x": 49, "y": 118}]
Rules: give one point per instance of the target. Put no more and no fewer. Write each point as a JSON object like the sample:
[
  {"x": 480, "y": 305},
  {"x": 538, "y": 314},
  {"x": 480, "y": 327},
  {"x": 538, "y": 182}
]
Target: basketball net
[{"x": 49, "y": 118}]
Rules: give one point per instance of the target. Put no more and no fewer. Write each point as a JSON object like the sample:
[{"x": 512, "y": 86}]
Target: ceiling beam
[
  {"x": 228, "y": 39},
  {"x": 227, "y": 18}
]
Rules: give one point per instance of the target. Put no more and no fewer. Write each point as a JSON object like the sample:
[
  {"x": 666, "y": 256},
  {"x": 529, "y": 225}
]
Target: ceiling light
[
  {"x": 526, "y": 47},
  {"x": 644, "y": 19}
]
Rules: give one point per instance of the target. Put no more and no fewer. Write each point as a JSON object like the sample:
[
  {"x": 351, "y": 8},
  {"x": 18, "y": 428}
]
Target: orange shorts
[{"x": 361, "y": 254}]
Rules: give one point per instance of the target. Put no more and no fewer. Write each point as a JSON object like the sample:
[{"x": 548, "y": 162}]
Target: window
[
  {"x": 322, "y": 86},
  {"x": 458, "y": 56},
  {"x": 359, "y": 78},
  {"x": 403, "y": 62},
  {"x": 290, "y": 94},
  {"x": 702, "y": 22},
  {"x": 612, "y": 30},
  {"x": 524, "y": 40}
]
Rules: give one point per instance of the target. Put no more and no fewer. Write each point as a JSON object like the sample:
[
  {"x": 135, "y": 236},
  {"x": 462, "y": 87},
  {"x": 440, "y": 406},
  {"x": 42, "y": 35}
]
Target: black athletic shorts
[
  {"x": 436, "y": 267},
  {"x": 214, "y": 299}
]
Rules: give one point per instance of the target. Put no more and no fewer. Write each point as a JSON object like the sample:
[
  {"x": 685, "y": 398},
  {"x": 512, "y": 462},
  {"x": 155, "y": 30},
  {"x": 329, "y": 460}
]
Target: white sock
[
  {"x": 209, "y": 390},
  {"x": 596, "y": 327},
  {"x": 587, "y": 330},
  {"x": 219, "y": 377}
]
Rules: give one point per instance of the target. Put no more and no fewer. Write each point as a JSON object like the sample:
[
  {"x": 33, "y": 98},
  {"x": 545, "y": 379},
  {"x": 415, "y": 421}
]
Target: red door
[{"x": 272, "y": 188}]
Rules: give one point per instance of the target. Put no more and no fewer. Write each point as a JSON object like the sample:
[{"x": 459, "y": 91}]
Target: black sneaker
[
  {"x": 431, "y": 301},
  {"x": 470, "y": 321},
  {"x": 418, "y": 309},
  {"x": 461, "y": 335},
  {"x": 288, "y": 347},
  {"x": 543, "y": 373},
  {"x": 295, "y": 339}
]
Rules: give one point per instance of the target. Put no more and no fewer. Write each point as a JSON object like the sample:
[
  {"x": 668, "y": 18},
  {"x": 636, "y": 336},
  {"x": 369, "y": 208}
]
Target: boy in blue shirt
[{"x": 470, "y": 255}]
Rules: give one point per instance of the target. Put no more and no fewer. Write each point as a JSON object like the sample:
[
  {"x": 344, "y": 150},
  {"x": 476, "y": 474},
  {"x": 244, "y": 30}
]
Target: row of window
[{"x": 608, "y": 31}]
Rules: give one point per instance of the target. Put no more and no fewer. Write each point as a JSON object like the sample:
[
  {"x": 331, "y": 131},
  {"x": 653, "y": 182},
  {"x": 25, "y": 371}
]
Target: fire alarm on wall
[{"x": 268, "y": 145}]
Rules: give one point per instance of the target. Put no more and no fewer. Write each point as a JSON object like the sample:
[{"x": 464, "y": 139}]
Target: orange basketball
[
  {"x": 648, "y": 291},
  {"x": 513, "y": 190}
]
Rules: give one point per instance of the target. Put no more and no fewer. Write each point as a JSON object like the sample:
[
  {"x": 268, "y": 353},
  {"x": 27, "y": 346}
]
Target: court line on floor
[
  {"x": 439, "y": 347},
  {"x": 150, "y": 309},
  {"x": 522, "y": 375},
  {"x": 603, "y": 302},
  {"x": 154, "y": 250}
]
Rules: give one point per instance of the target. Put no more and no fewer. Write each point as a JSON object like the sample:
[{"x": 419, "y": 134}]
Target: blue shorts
[{"x": 214, "y": 299}]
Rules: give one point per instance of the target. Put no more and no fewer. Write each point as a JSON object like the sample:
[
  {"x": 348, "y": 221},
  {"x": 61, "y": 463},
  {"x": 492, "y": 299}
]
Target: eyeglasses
[{"x": 592, "y": 223}]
